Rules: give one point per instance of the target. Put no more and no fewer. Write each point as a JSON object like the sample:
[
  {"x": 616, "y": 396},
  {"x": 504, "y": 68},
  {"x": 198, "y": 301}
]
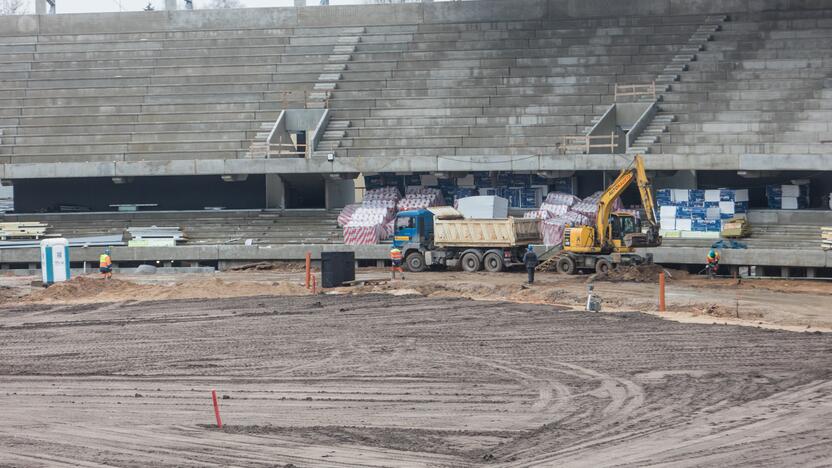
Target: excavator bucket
[{"x": 640, "y": 239}]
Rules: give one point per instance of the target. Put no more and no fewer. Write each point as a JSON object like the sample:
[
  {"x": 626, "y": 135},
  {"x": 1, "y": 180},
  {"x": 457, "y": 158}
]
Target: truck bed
[{"x": 510, "y": 232}]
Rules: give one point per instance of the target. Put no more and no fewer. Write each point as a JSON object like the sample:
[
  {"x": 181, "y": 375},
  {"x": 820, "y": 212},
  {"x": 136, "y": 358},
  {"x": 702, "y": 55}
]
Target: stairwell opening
[{"x": 304, "y": 191}]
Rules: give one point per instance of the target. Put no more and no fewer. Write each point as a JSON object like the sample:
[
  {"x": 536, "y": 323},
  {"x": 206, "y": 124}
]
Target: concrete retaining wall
[
  {"x": 369, "y": 15},
  {"x": 531, "y": 162}
]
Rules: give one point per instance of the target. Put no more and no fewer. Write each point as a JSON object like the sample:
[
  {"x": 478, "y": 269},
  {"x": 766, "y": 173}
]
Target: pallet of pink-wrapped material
[{"x": 362, "y": 235}]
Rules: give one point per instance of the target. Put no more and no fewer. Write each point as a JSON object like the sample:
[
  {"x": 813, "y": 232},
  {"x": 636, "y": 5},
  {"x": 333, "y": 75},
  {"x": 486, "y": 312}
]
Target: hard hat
[{"x": 530, "y": 248}]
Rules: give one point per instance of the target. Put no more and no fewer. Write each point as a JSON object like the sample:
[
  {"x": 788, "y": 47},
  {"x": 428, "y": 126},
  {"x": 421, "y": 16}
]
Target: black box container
[{"x": 336, "y": 268}]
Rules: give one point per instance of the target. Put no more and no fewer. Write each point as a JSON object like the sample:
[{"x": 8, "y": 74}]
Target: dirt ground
[{"x": 413, "y": 373}]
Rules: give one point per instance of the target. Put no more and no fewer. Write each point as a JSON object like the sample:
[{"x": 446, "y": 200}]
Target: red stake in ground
[{"x": 216, "y": 408}]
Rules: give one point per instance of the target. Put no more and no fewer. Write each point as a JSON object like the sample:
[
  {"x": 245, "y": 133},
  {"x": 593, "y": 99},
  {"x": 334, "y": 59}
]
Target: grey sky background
[{"x": 89, "y": 6}]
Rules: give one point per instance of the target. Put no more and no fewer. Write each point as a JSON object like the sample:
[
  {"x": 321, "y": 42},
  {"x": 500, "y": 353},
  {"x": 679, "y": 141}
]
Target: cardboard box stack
[
  {"x": 788, "y": 197},
  {"x": 695, "y": 213}
]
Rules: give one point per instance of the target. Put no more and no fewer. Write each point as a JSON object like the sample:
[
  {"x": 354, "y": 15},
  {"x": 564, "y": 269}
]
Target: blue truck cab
[{"x": 413, "y": 229}]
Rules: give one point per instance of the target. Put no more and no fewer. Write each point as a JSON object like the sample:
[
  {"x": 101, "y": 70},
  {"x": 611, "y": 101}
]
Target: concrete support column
[
  {"x": 275, "y": 192},
  {"x": 339, "y": 193},
  {"x": 33, "y": 266},
  {"x": 811, "y": 272},
  {"x": 40, "y": 7},
  {"x": 784, "y": 271},
  {"x": 300, "y": 3},
  {"x": 379, "y": 263},
  {"x": 171, "y": 5}
]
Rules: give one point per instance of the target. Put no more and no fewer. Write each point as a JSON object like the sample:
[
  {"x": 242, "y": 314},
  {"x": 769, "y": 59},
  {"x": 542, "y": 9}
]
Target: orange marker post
[
  {"x": 216, "y": 408},
  {"x": 308, "y": 268},
  {"x": 314, "y": 285},
  {"x": 661, "y": 292}
]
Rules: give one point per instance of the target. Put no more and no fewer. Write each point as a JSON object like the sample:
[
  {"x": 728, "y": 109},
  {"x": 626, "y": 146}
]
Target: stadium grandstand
[{"x": 251, "y": 129}]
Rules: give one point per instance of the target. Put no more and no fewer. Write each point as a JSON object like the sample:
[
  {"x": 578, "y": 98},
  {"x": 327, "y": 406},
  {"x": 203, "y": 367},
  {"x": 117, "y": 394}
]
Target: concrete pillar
[
  {"x": 339, "y": 193},
  {"x": 275, "y": 192},
  {"x": 784, "y": 271},
  {"x": 380, "y": 264},
  {"x": 40, "y": 7},
  {"x": 300, "y": 3},
  {"x": 171, "y": 5},
  {"x": 33, "y": 266},
  {"x": 811, "y": 272}
]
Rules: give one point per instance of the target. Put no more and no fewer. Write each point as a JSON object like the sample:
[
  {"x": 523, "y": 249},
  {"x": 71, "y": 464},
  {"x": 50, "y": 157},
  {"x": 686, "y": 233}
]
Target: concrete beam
[{"x": 342, "y": 164}]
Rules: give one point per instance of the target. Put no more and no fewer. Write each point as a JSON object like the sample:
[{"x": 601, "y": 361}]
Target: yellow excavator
[{"x": 613, "y": 239}]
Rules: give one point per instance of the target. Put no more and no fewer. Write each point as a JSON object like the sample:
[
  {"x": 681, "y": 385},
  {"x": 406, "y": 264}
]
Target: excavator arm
[
  {"x": 625, "y": 178},
  {"x": 605, "y": 204}
]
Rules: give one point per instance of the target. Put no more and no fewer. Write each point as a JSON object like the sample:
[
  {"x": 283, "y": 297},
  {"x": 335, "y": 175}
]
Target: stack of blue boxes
[
  {"x": 687, "y": 211},
  {"x": 788, "y": 197}
]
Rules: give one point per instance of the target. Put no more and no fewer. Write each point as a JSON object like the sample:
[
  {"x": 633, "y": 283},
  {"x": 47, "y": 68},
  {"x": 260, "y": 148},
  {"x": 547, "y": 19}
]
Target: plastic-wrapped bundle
[
  {"x": 389, "y": 228},
  {"x": 561, "y": 198},
  {"x": 420, "y": 197},
  {"x": 537, "y": 214},
  {"x": 553, "y": 228},
  {"x": 553, "y": 209},
  {"x": 384, "y": 193},
  {"x": 362, "y": 235},
  {"x": 346, "y": 214}
]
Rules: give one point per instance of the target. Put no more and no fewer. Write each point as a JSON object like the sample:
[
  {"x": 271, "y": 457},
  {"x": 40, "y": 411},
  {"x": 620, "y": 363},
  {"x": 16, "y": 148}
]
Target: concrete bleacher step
[
  {"x": 667, "y": 78},
  {"x": 329, "y": 77},
  {"x": 335, "y": 67},
  {"x": 325, "y": 86}
]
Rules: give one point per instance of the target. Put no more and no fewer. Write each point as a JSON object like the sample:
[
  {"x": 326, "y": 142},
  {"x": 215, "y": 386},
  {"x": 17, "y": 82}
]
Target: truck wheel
[
  {"x": 603, "y": 266},
  {"x": 415, "y": 262},
  {"x": 493, "y": 262},
  {"x": 470, "y": 262},
  {"x": 566, "y": 266}
]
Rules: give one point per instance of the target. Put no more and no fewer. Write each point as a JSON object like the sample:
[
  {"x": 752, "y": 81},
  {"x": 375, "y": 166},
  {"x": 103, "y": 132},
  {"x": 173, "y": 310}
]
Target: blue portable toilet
[{"x": 54, "y": 260}]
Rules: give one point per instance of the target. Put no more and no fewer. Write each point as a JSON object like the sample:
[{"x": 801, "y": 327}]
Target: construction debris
[
  {"x": 23, "y": 230},
  {"x": 110, "y": 240},
  {"x": 826, "y": 238},
  {"x": 154, "y": 236}
]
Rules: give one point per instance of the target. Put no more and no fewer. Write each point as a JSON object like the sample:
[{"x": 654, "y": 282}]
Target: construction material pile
[
  {"x": 155, "y": 236},
  {"x": 372, "y": 221},
  {"x": 698, "y": 213},
  {"x": 826, "y": 238},
  {"x": 788, "y": 197},
  {"x": 22, "y": 230},
  {"x": 560, "y": 210},
  {"x": 416, "y": 198}
]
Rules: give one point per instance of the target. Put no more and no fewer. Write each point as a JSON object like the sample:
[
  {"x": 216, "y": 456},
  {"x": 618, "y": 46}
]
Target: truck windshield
[{"x": 405, "y": 222}]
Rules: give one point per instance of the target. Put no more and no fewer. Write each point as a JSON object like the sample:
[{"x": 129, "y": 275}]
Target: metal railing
[
  {"x": 585, "y": 143},
  {"x": 287, "y": 150},
  {"x": 635, "y": 90}
]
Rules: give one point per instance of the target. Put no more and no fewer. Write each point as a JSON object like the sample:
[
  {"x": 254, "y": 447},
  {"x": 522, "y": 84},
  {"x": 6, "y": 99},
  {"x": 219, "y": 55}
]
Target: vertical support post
[
  {"x": 216, "y": 408},
  {"x": 661, "y": 292},
  {"x": 308, "y": 268}
]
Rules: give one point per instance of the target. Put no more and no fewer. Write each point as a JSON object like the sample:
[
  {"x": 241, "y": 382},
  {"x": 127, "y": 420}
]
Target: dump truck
[{"x": 442, "y": 236}]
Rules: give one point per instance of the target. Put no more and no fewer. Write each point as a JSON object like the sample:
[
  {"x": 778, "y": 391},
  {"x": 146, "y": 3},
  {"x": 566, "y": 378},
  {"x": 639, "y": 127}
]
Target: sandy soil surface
[
  {"x": 402, "y": 380},
  {"x": 414, "y": 372},
  {"x": 783, "y": 304}
]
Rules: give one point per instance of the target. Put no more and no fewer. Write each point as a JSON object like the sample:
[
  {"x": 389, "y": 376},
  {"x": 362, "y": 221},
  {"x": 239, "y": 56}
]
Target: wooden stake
[{"x": 661, "y": 292}]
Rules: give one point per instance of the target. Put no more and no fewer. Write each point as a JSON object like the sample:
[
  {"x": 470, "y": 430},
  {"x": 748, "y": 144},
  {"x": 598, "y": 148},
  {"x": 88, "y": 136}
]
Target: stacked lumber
[
  {"x": 735, "y": 227},
  {"x": 826, "y": 238},
  {"x": 22, "y": 230}
]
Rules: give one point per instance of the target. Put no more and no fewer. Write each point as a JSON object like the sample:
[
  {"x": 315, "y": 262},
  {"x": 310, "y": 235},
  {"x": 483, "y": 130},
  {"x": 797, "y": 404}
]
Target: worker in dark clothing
[{"x": 530, "y": 260}]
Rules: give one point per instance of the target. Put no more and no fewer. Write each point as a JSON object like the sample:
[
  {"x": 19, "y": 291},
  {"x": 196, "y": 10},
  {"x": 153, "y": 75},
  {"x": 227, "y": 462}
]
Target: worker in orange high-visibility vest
[
  {"x": 105, "y": 265},
  {"x": 396, "y": 261}
]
